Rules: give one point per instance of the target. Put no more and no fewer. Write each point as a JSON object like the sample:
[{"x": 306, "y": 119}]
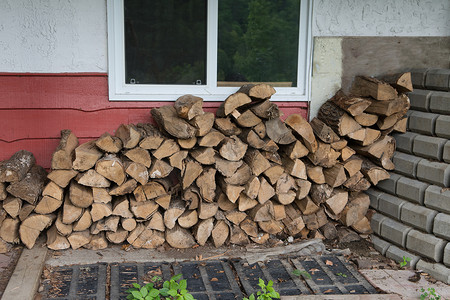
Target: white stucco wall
[
  {"x": 70, "y": 35},
  {"x": 50, "y": 36},
  {"x": 381, "y": 18}
]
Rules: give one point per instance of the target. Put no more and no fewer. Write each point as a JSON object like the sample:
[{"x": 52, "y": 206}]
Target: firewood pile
[{"x": 237, "y": 177}]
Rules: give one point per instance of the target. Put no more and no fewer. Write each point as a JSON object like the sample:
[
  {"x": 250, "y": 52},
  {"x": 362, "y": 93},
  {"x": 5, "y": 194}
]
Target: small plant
[
  {"x": 342, "y": 275},
  {"x": 267, "y": 292},
  {"x": 405, "y": 261},
  {"x": 172, "y": 289},
  {"x": 430, "y": 294},
  {"x": 298, "y": 272}
]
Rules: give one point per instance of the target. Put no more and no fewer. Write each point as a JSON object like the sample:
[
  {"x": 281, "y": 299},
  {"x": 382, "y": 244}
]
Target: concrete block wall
[{"x": 413, "y": 205}]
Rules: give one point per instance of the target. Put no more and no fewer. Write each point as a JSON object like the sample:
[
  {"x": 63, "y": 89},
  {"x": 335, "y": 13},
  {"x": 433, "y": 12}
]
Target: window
[{"x": 162, "y": 49}]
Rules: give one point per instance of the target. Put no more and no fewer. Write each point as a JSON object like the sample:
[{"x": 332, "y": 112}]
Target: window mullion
[{"x": 211, "y": 42}]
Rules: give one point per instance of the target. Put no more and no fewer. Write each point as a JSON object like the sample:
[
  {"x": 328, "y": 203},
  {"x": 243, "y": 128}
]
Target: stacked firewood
[
  {"x": 240, "y": 176},
  {"x": 21, "y": 185}
]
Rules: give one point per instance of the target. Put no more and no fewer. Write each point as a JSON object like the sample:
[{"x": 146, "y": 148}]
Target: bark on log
[{"x": 17, "y": 166}]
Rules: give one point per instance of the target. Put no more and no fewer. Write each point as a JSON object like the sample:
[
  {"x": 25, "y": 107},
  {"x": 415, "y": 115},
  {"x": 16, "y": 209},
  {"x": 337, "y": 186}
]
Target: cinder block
[
  {"x": 437, "y": 198},
  {"x": 411, "y": 189},
  {"x": 440, "y": 103},
  {"x": 442, "y": 127},
  {"x": 422, "y": 122},
  {"x": 446, "y": 153},
  {"x": 404, "y": 141},
  {"x": 418, "y": 77},
  {"x": 434, "y": 172},
  {"x": 420, "y": 99},
  {"x": 425, "y": 244},
  {"x": 406, "y": 164},
  {"x": 441, "y": 226},
  {"x": 374, "y": 195},
  {"x": 395, "y": 253},
  {"x": 438, "y": 271},
  {"x": 418, "y": 216},
  {"x": 447, "y": 255},
  {"x": 429, "y": 146},
  {"x": 389, "y": 185},
  {"x": 437, "y": 79},
  {"x": 390, "y": 205},
  {"x": 394, "y": 231},
  {"x": 379, "y": 244},
  {"x": 376, "y": 221}
]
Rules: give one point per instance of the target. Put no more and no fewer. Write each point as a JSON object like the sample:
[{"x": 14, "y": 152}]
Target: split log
[
  {"x": 79, "y": 239},
  {"x": 293, "y": 222},
  {"x": 9, "y": 231},
  {"x": 266, "y": 110},
  {"x": 352, "y": 166},
  {"x": 101, "y": 195},
  {"x": 100, "y": 211},
  {"x": 303, "y": 188},
  {"x": 366, "y": 119},
  {"x": 339, "y": 145},
  {"x": 46, "y": 205},
  {"x": 262, "y": 212},
  {"x": 25, "y": 211},
  {"x": 137, "y": 171},
  {"x": 252, "y": 139},
  {"x": 188, "y": 219},
  {"x": 176, "y": 160},
  {"x": 167, "y": 119},
  {"x": 325, "y": 156},
  {"x": 207, "y": 184},
  {"x": 323, "y": 131},
  {"x": 157, "y": 222},
  {"x": 295, "y": 150},
  {"x": 110, "y": 223},
  {"x": 372, "y": 172},
  {"x": 129, "y": 134},
  {"x": 111, "y": 168},
  {"x": 245, "y": 119},
  {"x": 346, "y": 153},
  {"x": 117, "y": 237},
  {"x": 252, "y": 187},
  {"x": 225, "y": 204},
  {"x": 80, "y": 196},
  {"x": 207, "y": 210},
  {"x": 256, "y": 161},
  {"x": 71, "y": 213},
  {"x": 337, "y": 201},
  {"x": 93, "y": 179},
  {"x": 249, "y": 227},
  {"x": 295, "y": 167},
  {"x": 351, "y": 104},
  {"x": 55, "y": 241},
  {"x": 337, "y": 119},
  {"x": 233, "y": 149},
  {"x": 203, "y": 123},
  {"x": 246, "y": 203},
  {"x": 388, "y": 108},
  {"x": 211, "y": 139},
  {"x": 300, "y": 126},
  {"x": 329, "y": 231},
  {"x": 189, "y": 106},
  {"x": 356, "y": 209},
  {"x": 17, "y": 166},
  {"x": 401, "y": 81},
  {"x": 187, "y": 143},
  {"x": 266, "y": 191},
  {"x": 357, "y": 183},
  {"x": 192, "y": 197},
  {"x": 227, "y": 168},
  {"x": 152, "y": 137},
  {"x": 307, "y": 206},
  {"x": 315, "y": 173},
  {"x": 192, "y": 171},
  {"x": 220, "y": 233},
  {"x": 400, "y": 126},
  {"x": 273, "y": 157},
  {"x": 257, "y": 91},
  {"x": 108, "y": 143},
  {"x": 121, "y": 207},
  {"x": 204, "y": 155},
  {"x": 238, "y": 236},
  {"x": 231, "y": 103},
  {"x": 235, "y": 217},
  {"x": 203, "y": 231},
  {"x": 159, "y": 169},
  {"x": 261, "y": 239},
  {"x": 167, "y": 148},
  {"x": 12, "y": 206},
  {"x": 225, "y": 126},
  {"x": 84, "y": 222},
  {"x": 30, "y": 187},
  {"x": 279, "y": 212},
  {"x": 377, "y": 149},
  {"x": 164, "y": 201},
  {"x": 97, "y": 242},
  {"x": 139, "y": 155},
  {"x": 271, "y": 226},
  {"x": 63, "y": 229},
  {"x": 62, "y": 177},
  {"x": 176, "y": 209},
  {"x": 143, "y": 210},
  {"x": 32, "y": 227},
  {"x": 3, "y": 193},
  {"x": 277, "y": 131},
  {"x": 320, "y": 192},
  {"x": 362, "y": 226},
  {"x": 369, "y": 86},
  {"x": 86, "y": 155},
  {"x": 63, "y": 156},
  {"x": 335, "y": 176},
  {"x": 179, "y": 238}
]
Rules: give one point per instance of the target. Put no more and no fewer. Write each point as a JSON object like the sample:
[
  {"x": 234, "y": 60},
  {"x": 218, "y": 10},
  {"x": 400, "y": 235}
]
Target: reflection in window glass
[
  {"x": 165, "y": 41},
  {"x": 258, "y": 42}
]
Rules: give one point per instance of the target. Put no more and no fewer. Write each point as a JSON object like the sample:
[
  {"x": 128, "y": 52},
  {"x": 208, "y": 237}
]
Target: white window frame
[{"x": 120, "y": 91}]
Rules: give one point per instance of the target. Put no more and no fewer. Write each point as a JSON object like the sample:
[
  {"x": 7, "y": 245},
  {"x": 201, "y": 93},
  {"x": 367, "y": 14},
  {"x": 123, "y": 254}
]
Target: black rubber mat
[{"x": 212, "y": 279}]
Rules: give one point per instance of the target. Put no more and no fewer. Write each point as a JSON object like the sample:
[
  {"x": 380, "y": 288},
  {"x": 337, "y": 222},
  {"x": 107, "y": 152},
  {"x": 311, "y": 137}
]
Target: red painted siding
[{"x": 34, "y": 108}]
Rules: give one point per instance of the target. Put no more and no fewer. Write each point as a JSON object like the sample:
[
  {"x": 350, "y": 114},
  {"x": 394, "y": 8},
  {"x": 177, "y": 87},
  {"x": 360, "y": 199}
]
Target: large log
[
  {"x": 63, "y": 156},
  {"x": 167, "y": 118},
  {"x": 369, "y": 86},
  {"x": 17, "y": 166},
  {"x": 80, "y": 196},
  {"x": 180, "y": 238},
  {"x": 401, "y": 81},
  {"x": 30, "y": 187}
]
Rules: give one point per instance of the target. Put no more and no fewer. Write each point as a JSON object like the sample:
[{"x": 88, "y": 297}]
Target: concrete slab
[
  {"x": 24, "y": 281},
  {"x": 396, "y": 281}
]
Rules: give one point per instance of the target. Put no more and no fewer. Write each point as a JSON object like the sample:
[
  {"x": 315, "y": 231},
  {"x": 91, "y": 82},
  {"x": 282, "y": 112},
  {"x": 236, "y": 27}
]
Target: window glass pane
[
  {"x": 258, "y": 42},
  {"x": 165, "y": 41}
]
